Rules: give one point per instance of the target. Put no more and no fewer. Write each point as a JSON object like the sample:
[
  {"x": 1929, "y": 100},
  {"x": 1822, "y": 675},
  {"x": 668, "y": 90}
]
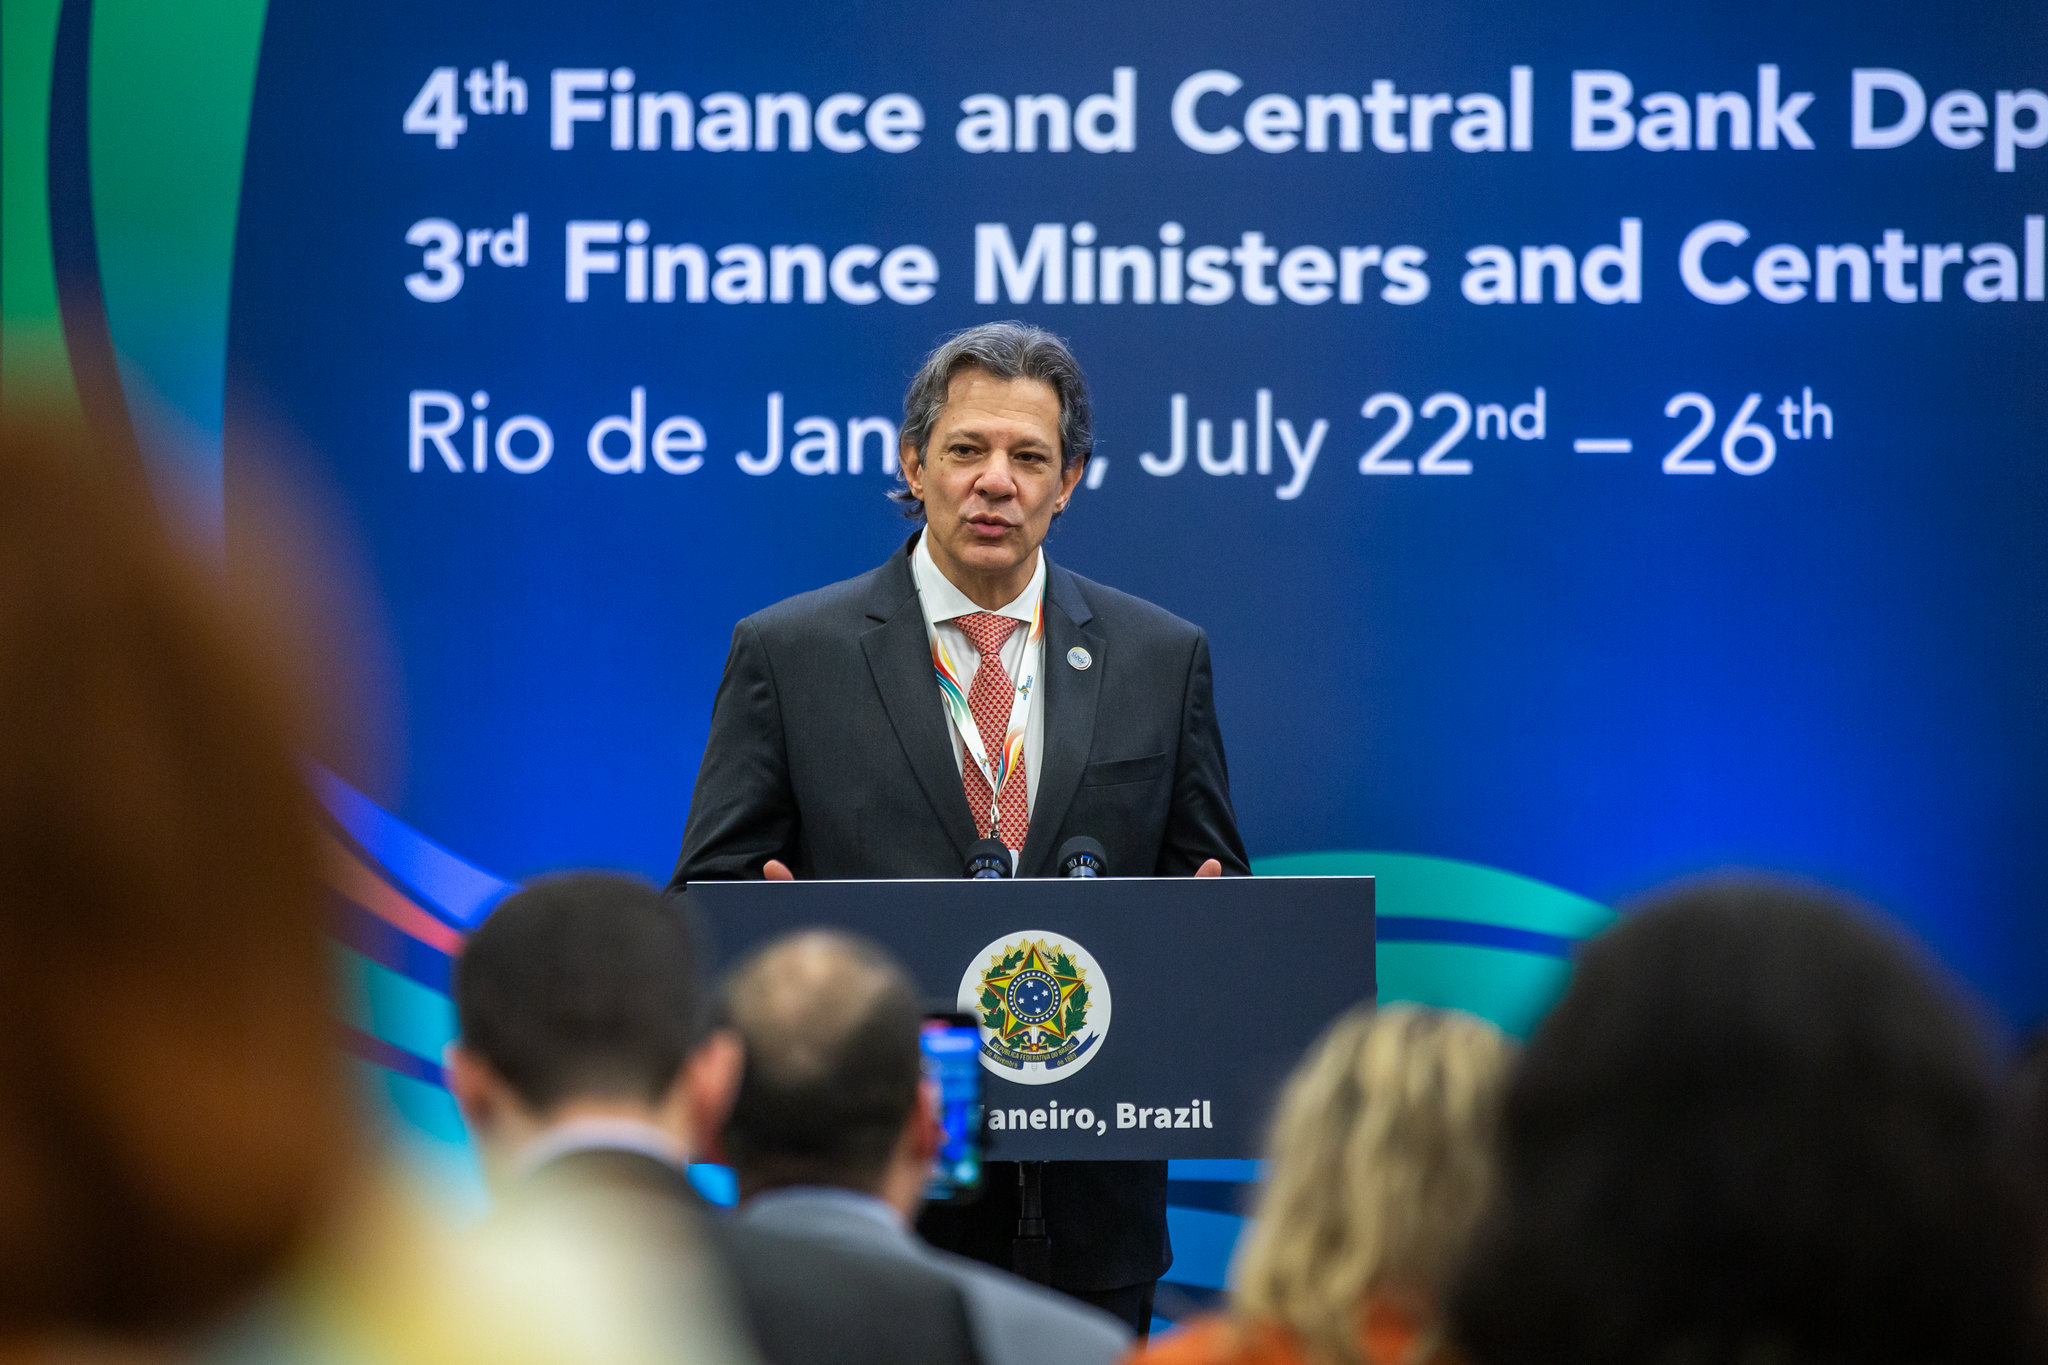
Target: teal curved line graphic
[
  {"x": 1447, "y": 888},
  {"x": 1511, "y": 988}
]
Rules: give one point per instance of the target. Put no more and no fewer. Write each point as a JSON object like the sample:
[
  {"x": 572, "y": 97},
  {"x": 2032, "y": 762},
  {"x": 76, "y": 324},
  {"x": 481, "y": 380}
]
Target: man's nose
[{"x": 997, "y": 481}]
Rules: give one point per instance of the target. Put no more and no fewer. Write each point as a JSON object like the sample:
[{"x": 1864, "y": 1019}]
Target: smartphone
[{"x": 951, "y": 1047}]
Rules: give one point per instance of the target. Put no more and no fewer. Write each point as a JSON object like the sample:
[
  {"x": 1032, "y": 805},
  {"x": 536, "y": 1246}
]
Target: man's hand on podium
[{"x": 775, "y": 870}]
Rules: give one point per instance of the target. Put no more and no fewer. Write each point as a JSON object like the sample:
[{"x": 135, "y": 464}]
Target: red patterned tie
[{"x": 989, "y": 699}]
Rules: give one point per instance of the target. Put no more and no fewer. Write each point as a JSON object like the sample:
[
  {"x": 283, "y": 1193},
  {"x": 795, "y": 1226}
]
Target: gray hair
[
  {"x": 1001, "y": 350},
  {"x": 830, "y": 1025}
]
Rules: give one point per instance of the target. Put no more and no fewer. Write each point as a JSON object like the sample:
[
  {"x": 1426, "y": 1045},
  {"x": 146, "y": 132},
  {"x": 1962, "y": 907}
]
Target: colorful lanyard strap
[{"x": 993, "y": 770}]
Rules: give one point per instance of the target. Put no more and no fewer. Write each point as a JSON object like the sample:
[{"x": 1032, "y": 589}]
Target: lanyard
[{"x": 994, "y": 769}]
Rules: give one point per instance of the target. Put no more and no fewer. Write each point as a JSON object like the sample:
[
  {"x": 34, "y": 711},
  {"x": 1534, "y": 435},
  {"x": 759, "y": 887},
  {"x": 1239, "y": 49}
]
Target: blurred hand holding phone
[{"x": 951, "y": 1047}]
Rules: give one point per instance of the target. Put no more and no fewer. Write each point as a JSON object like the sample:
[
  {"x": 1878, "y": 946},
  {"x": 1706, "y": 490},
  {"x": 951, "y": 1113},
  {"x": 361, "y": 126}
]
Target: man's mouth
[{"x": 988, "y": 528}]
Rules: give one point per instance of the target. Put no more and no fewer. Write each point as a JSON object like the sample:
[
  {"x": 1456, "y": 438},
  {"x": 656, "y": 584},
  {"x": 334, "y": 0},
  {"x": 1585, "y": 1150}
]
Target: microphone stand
[{"x": 1031, "y": 1253}]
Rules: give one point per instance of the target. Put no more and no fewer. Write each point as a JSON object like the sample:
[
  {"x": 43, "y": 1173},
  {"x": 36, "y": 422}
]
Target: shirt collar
[
  {"x": 943, "y": 601},
  {"x": 600, "y": 1135},
  {"x": 867, "y": 1206}
]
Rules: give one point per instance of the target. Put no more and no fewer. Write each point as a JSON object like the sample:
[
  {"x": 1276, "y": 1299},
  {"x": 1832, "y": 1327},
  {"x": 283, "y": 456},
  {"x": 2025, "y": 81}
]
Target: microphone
[
  {"x": 1081, "y": 856},
  {"x": 988, "y": 859}
]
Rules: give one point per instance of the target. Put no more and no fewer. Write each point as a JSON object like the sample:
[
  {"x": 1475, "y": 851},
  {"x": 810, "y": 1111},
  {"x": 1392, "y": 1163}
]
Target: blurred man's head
[
  {"x": 1756, "y": 1127},
  {"x": 833, "y": 1091},
  {"x": 579, "y": 1000}
]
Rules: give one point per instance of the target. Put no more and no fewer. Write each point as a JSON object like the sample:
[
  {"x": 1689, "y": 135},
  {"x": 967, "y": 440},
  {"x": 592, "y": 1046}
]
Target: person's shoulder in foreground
[
  {"x": 1016, "y": 1322},
  {"x": 1056, "y": 1326},
  {"x": 1387, "y": 1335},
  {"x": 816, "y": 1303},
  {"x": 1215, "y": 1340}
]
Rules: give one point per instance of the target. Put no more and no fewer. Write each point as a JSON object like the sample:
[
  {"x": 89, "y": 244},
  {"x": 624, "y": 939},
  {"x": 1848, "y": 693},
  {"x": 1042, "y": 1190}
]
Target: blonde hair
[{"x": 1378, "y": 1163}]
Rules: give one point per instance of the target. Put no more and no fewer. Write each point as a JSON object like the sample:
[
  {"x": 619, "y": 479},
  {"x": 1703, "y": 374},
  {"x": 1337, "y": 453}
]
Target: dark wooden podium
[{"x": 1196, "y": 996}]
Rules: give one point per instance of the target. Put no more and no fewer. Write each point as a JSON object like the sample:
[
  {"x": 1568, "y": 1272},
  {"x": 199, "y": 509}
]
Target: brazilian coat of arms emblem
[{"x": 1042, "y": 1004}]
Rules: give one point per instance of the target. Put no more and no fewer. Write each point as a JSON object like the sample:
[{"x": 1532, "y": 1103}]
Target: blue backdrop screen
[{"x": 1600, "y": 446}]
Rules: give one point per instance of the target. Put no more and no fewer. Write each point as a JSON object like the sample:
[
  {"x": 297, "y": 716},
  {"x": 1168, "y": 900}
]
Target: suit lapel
[
  {"x": 899, "y": 656},
  {"x": 1069, "y": 699}
]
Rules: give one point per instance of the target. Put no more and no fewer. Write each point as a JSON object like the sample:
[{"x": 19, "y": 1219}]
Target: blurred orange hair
[{"x": 172, "y": 1117}]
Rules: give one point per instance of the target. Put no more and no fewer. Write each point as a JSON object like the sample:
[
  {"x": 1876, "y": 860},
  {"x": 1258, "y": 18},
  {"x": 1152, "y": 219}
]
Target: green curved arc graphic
[
  {"x": 1513, "y": 989},
  {"x": 168, "y": 113},
  {"x": 35, "y": 370},
  {"x": 169, "y": 104}
]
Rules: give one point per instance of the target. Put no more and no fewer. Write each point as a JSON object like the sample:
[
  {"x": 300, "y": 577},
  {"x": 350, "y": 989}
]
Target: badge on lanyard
[{"x": 997, "y": 767}]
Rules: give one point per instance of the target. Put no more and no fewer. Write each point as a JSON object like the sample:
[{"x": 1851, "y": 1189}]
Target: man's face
[{"x": 991, "y": 481}]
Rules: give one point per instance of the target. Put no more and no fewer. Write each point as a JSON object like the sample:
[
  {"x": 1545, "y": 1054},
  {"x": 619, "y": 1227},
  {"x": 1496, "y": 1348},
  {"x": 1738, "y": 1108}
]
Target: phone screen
[{"x": 952, "y": 1062}]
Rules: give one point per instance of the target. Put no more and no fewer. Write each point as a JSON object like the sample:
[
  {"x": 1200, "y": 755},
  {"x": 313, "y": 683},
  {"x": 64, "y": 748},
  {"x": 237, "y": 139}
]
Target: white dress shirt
[{"x": 1022, "y": 656}]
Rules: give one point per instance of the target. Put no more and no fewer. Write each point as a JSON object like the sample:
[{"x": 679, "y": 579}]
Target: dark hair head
[
  {"x": 1754, "y": 1129},
  {"x": 2027, "y": 1093},
  {"x": 580, "y": 986},
  {"x": 1001, "y": 350},
  {"x": 830, "y": 1025},
  {"x": 173, "y": 1112}
]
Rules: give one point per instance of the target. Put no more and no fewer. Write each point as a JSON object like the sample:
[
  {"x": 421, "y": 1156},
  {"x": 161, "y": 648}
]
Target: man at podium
[{"x": 969, "y": 689}]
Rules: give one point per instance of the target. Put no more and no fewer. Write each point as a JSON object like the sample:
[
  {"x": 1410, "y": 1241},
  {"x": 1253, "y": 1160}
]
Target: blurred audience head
[
  {"x": 2027, "y": 1109},
  {"x": 833, "y": 1088},
  {"x": 1755, "y": 1129},
  {"x": 1379, "y": 1162},
  {"x": 2030, "y": 1095},
  {"x": 172, "y": 1116},
  {"x": 579, "y": 999}
]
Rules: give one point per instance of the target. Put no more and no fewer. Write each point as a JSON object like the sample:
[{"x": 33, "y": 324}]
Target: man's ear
[
  {"x": 913, "y": 468},
  {"x": 476, "y": 1088},
  {"x": 711, "y": 1081},
  {"x": 1070, "y": 479}
]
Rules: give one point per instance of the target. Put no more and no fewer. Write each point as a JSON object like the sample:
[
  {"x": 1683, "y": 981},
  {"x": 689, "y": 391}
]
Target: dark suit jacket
[
  {"x": 828, "y": 750},
  {"x": 828, "y": 745},
  {"x": 803, "y": 1301}
]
